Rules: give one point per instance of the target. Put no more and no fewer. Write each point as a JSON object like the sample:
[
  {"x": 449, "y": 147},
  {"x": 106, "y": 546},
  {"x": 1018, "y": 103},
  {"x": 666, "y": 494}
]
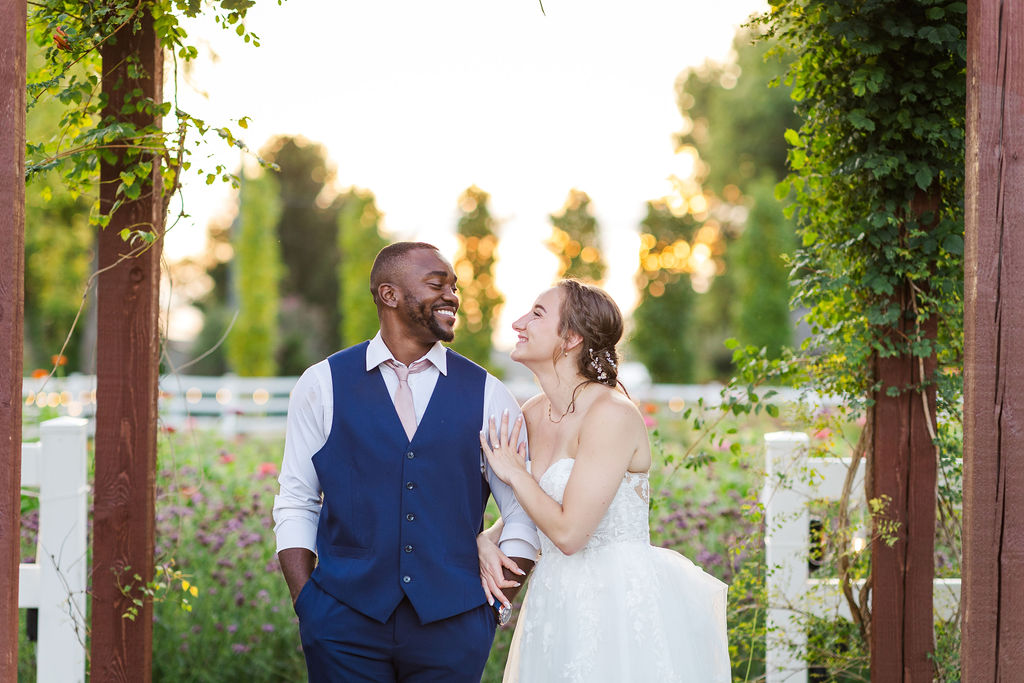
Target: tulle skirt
[{"x": 621, "y": 612}]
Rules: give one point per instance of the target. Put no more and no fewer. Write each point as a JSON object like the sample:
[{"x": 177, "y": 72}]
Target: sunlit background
[{"x": 418, "y": 101}]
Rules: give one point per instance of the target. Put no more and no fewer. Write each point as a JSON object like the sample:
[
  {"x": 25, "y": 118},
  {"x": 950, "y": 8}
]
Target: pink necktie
[{"x": 403, "y": 394}]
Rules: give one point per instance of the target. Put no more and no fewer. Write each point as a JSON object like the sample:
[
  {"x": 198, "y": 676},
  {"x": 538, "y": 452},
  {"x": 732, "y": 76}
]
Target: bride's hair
[{"x": 592, "y": 314}]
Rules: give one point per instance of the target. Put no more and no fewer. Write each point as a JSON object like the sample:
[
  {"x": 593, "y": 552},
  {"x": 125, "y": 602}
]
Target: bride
[{"x": 602, "y": 604}]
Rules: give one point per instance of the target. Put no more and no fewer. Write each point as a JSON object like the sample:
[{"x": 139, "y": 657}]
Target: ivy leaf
[
  {"x": 782, "y": 190},
  {"x": 954, "y": 244},
  {"x": 923, "y": 177},
  {"x": 859, "y": 119}
]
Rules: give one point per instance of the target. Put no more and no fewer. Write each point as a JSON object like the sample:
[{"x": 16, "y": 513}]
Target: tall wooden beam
[
  {"x": 12, "y": 303},
  {"x": 903, "y": 475},
  {"x": 126, "y": 385},
  {"x": 992, "y": 646}
]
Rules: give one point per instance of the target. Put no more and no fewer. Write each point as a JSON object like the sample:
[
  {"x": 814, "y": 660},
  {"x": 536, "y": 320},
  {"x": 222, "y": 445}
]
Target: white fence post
[
  {"x": 786, "y": 541},
  {"x": 793, "y": 480},
  {"x": 56, "y": 583}
]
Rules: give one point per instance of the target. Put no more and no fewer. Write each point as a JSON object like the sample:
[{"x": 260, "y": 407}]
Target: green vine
[
  {"x": 877, "y": 179},
  {"x": 71, "y": 34}
]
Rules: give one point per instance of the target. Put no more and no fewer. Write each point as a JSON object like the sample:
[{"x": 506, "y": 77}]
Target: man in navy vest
[{"x": 376, "y": 520}]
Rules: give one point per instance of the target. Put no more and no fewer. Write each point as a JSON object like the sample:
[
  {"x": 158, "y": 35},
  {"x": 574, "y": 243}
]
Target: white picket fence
[
  {"x": 793, "y": 480},
  {"x": 244, "y": 405},
  {"x": 55, "y": 584}
]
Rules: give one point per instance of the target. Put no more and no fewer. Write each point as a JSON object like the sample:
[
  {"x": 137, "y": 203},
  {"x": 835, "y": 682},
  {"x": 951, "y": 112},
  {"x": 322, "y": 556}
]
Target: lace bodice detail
[{"x": 626, "y": 519}]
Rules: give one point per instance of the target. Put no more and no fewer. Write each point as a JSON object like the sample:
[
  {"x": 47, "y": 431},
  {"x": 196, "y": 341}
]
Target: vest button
[
  {"x": 409, "y": 485},
  {"x": 410, "y": 455},
  {"x": 406, "y": 579},
  {"x": 408, "y": 548},
  {"x": 410, "y": 517}
]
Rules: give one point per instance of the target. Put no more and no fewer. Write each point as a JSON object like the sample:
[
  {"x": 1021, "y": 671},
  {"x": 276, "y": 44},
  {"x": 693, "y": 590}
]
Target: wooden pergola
[{"x": 993, "y": 551}]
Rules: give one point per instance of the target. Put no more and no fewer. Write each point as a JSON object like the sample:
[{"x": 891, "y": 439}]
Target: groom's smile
[{"x": 430, "y": 300}]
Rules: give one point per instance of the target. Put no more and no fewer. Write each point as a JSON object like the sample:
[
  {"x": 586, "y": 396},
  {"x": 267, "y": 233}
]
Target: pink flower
[
  {"x": 267, "y": 469},
  {"x": 649, "y": 421},
  {"x": 227, "y": 458},
  {"x": 823, "y": 433}
]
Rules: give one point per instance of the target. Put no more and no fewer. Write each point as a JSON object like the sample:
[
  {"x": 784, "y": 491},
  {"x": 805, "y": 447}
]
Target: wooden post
[
  {"x": 903, "y": 475},
  {"x": 12, "y": 316},
  {"x": 126, "y": 385},
  {"x": 992, "y": 646}
]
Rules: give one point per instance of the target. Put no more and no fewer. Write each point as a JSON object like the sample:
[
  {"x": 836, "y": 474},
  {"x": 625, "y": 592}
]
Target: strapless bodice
[{"x": 626, "y": 519}]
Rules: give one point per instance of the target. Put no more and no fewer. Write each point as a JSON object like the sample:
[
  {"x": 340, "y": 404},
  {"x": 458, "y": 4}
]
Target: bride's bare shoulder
[
  {"x": 531, "y": 405},
  {"x": 615, "y": 407}
]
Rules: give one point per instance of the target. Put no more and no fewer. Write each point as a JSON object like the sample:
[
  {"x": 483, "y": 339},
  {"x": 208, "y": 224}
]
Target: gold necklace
[{"x": 570, "y": 408}]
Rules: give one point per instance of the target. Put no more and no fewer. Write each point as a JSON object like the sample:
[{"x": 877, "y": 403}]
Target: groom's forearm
[{"x": 525, "y": 565}]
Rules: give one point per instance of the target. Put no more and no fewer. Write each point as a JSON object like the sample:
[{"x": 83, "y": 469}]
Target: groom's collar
[{"x": 377, "y": 352}]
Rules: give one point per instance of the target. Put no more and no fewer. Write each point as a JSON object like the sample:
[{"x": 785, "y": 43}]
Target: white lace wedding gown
[{"x": 620, "y": 609}]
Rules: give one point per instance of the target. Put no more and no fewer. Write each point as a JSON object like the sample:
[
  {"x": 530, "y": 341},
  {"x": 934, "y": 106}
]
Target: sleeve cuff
[
  {"x": 519, "y": 540},
  {"x": 295, "y": 533}
]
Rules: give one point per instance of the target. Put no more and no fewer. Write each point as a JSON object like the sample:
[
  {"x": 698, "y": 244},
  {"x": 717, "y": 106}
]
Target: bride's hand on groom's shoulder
[
  {"x": 492, "y": 578},
  {"x": 503, "y": 455}
]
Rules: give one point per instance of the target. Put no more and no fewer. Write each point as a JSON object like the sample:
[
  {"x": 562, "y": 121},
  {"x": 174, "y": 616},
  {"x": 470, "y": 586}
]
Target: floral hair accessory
[{"x": 596, "y": 364}]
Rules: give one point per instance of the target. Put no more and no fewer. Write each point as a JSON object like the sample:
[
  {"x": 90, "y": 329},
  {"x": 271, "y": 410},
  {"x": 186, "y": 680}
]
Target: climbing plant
[{"x": 71, "y": 34}]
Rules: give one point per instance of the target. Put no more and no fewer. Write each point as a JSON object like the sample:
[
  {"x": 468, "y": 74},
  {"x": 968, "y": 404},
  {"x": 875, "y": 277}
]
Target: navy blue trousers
[{"x": 341, "y": 644}]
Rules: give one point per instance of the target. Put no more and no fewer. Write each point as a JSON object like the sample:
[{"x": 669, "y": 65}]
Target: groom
[{"x": 383, "y": 490}]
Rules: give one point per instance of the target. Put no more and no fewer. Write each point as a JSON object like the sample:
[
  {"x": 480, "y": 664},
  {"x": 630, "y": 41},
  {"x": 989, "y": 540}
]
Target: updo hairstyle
[{"x": 593, "y": 315}]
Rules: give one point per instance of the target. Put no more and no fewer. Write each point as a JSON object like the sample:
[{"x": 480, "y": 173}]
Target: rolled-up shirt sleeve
[
  {"x": 297, "y": 505},
  {"x": 519, "y": 536}
]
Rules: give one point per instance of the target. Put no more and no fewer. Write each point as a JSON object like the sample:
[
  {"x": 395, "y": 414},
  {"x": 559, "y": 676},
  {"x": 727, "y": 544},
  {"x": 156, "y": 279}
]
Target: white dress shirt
[{"x": 310, "y": 413}]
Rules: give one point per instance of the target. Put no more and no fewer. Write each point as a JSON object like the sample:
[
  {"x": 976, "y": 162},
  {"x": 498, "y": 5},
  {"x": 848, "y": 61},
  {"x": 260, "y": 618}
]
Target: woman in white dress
[{"x": 602, "y": 604}]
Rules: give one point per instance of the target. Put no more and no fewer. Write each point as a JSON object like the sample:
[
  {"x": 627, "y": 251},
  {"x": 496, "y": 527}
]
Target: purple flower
[
  {"x": 268, "y": 628},
  {"x": 239, "y": 648},
  {"x": 232, "y": 628}
]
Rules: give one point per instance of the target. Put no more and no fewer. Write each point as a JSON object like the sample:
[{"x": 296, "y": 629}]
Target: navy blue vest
[{"x": 400, "y": 518}]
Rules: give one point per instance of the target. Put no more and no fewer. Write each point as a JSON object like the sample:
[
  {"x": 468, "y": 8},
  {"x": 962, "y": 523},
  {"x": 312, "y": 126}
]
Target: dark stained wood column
[
  {"x": 992, "y": 647},
  {"x": 903, "y": 471},
  {"x": 126, "y": 388},
  {"x": 12, "y": 310}
]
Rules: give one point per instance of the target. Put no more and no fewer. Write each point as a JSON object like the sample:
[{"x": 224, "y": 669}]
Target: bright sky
[{"x": 418, "y": 100}]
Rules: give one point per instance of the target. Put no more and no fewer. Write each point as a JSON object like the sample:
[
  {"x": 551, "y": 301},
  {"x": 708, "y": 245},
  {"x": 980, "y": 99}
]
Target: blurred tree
[
  {"x": 359, "y": 240},
  {"x": 252, "y": 344},
  {"x": 474, "y": 267},
  {"x": 308, "y": 233},
  {"x": 59, "y": 245},
  {"x": 209, "y": 352},
  {"x": 663, "y": 338},
  {"x": 58, "y": 261},
  {"x": 576, "y": 240},
  {"x": 762, "y": 313},
  {"x": 735, "y": 116}
]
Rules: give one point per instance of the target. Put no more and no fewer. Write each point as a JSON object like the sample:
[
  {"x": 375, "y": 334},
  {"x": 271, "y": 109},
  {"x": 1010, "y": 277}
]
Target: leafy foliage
[
  {"x": 72, "y": 35},
  {"x": 576, "y": 240},
  {"x": 252, "y": 344},
  {"x": 877, "y": 187},
  {"x": 877, "y": 177},
  {"x": 359, "y": 240},
  {"x": 474, "y": 267},
  {"x": 58, "y": 250}
]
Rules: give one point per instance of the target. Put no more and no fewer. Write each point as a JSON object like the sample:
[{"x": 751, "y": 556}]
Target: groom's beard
[{"x": 423, "y": 315}]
